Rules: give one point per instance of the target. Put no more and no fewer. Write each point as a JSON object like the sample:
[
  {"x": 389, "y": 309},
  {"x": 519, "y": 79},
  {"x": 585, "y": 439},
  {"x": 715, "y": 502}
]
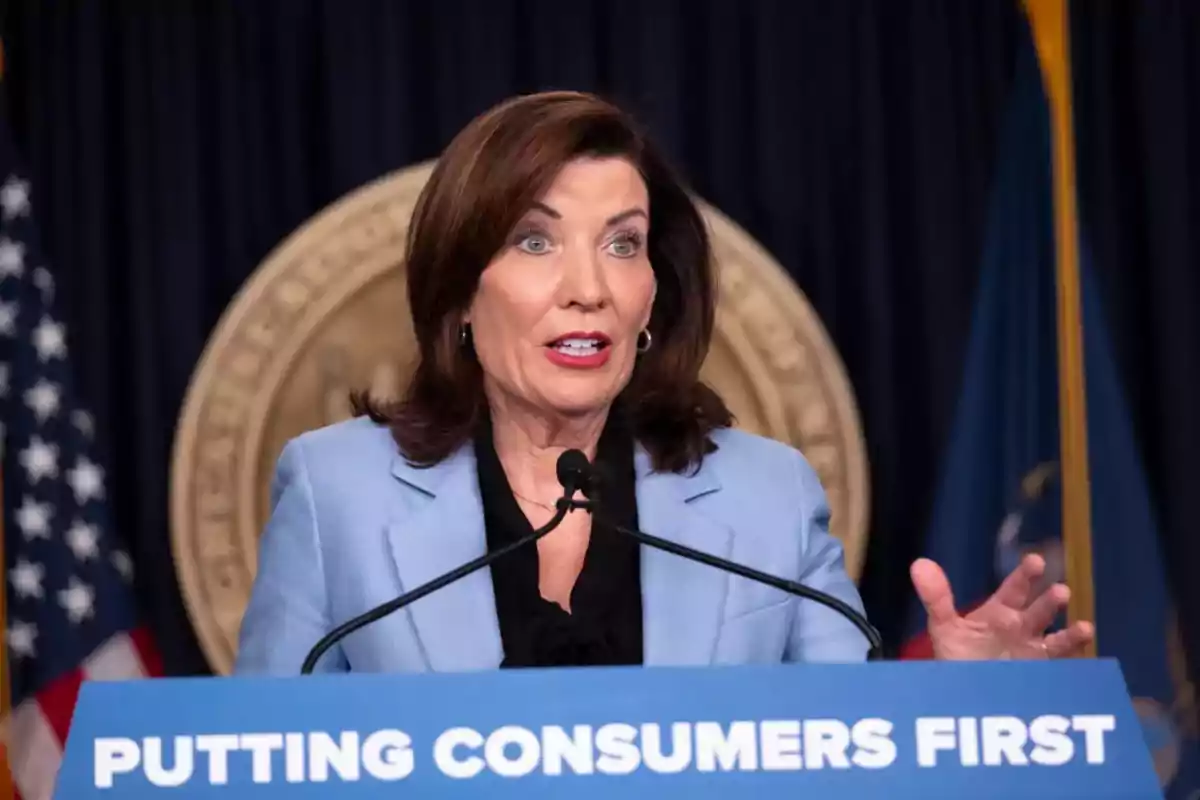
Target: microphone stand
[
  {"x": 563, "y": 506},
  {"x": 791, "y": 587}
]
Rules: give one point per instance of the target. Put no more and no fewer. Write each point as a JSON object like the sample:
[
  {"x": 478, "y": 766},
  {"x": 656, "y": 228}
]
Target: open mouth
[{"x": 580, "y": 345}]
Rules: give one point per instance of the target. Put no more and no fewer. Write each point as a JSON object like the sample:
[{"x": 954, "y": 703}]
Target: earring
[
  {"x": 644, "y": 340},
  {"x": 464, "y": 333}
]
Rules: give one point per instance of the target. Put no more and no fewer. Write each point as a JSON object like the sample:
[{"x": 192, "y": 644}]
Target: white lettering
[
  {"x": 737, "y": 749},
  {"x": 619, "y": 753},
  {"x": 1052, "y": 746},
  {"x": 217, "y": 746},
  {"x": 324, "y": 752},
  {"x": 443, "y": 753},
  {"x": 529, "y": 751},
  {"x": 293, "y": 757},
  {"x": 112, "y": 756},
  {"x": 780, "y": 744},
  {"x": 1003, "y": 739},
  {"x": 968, "y": 741},
  {"x": 617, "y": 748},
  {"x": 575, "y": 749},
  {"x": 261, "y": 745},
  {"x": 156, "y": 773},
  {"x": 826, "y": 740},
  {"x": 933, "y": 734},
  {"x": 872, "y": 739},
  {"x": 1007, "y": 740},
  {"x": 387, "y": 755},
  {"x": 1094, "y": 726},
  {"x": 681, "y": 748}
]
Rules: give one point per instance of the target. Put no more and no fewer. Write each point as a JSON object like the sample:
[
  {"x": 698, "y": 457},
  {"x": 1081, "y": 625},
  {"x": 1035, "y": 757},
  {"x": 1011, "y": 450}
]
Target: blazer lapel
[
  {"x": 440, "y": 528},
  {"x": 683, "y": 601}
]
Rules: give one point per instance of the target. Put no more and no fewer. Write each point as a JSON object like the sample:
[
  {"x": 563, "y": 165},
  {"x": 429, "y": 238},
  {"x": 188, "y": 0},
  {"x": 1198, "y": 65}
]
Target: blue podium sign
[{"x": 896, "y": 729}]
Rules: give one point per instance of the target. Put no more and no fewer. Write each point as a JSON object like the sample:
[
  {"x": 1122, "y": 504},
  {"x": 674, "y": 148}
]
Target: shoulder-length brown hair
[{"x": 482, "y": 186}]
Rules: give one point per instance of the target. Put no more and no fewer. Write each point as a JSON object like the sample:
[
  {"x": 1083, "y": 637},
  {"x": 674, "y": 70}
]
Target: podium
[{"x": 1045, "y": 729}]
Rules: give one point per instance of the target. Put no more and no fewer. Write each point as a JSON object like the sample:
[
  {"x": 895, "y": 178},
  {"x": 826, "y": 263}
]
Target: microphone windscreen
[{"x": 574, "y": 470}]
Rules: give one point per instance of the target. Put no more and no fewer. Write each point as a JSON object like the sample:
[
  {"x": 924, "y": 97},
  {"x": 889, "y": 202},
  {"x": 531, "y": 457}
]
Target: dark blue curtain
[
  {"x": 1137, "y": 120},
  {"x": 175, "y": 144}
]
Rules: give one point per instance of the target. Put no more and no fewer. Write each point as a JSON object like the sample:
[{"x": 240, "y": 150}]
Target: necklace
[{"x": 537, "y": 503}]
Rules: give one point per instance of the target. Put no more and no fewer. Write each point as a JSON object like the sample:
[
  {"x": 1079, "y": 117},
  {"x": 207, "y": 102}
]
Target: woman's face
[{"x": 556, "y": 317}]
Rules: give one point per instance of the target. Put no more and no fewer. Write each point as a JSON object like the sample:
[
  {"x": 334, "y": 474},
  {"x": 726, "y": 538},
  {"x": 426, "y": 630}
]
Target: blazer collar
[
  {"x": 460, "y": 467},
  {"x": 442, "y": 528},
  {"x": 683, "y": 602},
  {"x": 438, "y": 528}
]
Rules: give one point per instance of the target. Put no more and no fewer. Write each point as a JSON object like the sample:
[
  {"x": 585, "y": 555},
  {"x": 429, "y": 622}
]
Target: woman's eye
[
  {"x": 626, "y": 245},
  {"x": 533, "y": 243}
]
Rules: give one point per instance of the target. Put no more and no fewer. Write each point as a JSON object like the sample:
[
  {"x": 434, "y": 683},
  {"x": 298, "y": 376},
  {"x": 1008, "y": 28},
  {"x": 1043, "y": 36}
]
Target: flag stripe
[
  {"x": 36, "y": 752},
  {"x": 57, "y": 702},
  {"x": 115, "y": 660},
  {"x": 148, "y": 655},
  {"x": 1048, "y": 22}
]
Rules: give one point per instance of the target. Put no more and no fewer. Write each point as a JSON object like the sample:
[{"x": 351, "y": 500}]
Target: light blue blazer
[{"x": 353, "y": 525}]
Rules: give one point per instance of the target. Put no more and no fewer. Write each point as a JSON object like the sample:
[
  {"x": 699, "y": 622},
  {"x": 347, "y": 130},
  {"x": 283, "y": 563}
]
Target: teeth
[{"x": 577, "y": 347}]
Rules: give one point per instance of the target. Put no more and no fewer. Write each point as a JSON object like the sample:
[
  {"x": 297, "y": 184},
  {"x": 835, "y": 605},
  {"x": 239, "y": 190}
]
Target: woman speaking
[{"x": 561, "y": 288}]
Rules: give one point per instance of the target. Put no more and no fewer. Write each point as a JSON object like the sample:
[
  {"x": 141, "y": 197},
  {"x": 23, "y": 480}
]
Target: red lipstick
[{"x": 580, "y": 350}]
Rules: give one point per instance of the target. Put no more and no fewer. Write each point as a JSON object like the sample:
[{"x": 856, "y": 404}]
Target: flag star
[
  {"x": 84, "y": 540},
  {"x": 8, "y": 319},
  {"x": 26, "y": 578},
  {"x": 87, "y": 481},
  {"x": 78, "y": 600},
  {"x": 20, "y": 636},
  {"x": 82, "y": 420},
  {"x": 40, "y": 460},
  {"x": 14, "y": 197},
  {"x": 12, "y": 258},
  {"x": 33, "y": 518},
  {"x": 43, "y": 398},
  {"x": 122, "y": 564},
  {"x": 44, "y": 281},
  {"x": 50, "y": 339}
]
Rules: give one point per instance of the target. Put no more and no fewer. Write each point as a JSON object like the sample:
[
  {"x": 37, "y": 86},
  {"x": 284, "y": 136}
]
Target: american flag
[{"x": 69, "y": 604}]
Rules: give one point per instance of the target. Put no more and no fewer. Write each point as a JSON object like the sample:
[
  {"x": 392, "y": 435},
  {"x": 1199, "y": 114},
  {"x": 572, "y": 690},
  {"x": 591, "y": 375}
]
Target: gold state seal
[{"x": 326, "y": 312}]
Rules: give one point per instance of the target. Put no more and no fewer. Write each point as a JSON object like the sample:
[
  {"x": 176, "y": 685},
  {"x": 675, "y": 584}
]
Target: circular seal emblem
[{"x": 326, "y": 313}]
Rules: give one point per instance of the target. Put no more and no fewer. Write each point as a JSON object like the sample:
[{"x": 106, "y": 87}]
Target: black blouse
[{"x": 604, "y": 626}]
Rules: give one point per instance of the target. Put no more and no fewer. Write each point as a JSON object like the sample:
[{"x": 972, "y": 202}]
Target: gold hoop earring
[{"x": 644, "y": 340}]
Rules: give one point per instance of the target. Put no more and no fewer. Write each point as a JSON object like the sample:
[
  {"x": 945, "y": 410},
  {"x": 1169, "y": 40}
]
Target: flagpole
[{"x": 1049, "y": 21}]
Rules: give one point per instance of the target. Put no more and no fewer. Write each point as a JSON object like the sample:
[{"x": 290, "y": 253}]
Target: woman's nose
[{"x": 583, "y": 280}]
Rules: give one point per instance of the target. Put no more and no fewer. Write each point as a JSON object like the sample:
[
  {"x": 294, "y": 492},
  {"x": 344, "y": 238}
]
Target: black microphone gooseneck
[
  {"x": 574, "y": 472},
  {"x": 791, "y": 587}
]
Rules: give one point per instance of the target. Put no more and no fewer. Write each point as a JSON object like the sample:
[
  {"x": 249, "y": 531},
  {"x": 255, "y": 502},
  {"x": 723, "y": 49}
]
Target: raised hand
[{"x": 1011, "y": 624}]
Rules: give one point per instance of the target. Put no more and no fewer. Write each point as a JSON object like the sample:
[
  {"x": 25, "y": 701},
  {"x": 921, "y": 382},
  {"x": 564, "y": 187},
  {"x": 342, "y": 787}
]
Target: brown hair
[{"x": 484, "y": 182}]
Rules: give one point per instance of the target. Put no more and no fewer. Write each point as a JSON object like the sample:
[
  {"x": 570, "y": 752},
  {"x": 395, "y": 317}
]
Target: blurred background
[{"x": 990, "y": 207}]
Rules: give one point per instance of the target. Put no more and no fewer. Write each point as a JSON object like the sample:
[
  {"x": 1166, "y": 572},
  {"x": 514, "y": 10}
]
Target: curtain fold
[{"x": 1137, "y": 122}]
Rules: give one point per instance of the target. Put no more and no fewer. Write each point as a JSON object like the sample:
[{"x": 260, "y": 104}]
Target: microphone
[
  {"x": 573, "y": 471},
  {"x": 791, "y": 587}
]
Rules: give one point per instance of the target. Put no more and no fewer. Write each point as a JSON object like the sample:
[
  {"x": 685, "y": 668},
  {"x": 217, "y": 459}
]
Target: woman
[{"x": 561, "y": 293}]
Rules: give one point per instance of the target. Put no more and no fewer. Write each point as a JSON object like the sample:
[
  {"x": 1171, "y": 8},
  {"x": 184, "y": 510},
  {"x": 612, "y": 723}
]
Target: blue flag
[{"x": 999, "y": 495}]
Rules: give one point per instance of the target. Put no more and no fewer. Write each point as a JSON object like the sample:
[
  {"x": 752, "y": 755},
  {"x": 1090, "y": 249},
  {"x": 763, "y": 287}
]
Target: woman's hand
[{"x": 1011, "y": 624}]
